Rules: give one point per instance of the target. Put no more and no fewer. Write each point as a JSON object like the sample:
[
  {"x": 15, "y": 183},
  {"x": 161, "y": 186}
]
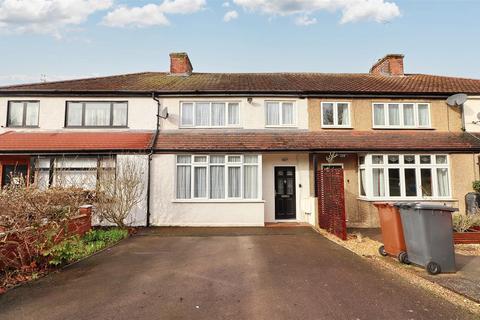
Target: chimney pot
[
  {"x": 180, "y": 64},
  {"x": 390, "y": 65}
]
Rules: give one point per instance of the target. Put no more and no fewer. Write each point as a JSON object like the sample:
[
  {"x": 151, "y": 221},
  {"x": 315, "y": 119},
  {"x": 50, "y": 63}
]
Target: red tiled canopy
[
  {"x": 327, "y": 140},
  {"x": 15, "y": 142}
]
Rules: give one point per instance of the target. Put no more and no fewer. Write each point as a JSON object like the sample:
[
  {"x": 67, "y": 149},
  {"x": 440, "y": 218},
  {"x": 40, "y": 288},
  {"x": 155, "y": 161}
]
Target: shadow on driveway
[{"x": 214, "y": 274}]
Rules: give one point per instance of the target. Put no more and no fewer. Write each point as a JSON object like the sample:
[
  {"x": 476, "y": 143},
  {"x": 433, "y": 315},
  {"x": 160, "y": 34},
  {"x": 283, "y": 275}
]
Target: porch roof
[
  {"x": 78, "y": 142},
  {"x": 327, "y": 140}
]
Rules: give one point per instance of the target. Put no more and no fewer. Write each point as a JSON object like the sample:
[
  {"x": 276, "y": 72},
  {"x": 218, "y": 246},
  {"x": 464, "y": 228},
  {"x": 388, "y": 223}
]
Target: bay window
[
  {"x": 279, "y": 114},
  {"x": 96, "y": 114},
  {"x": 217, "y": 177},
  {"x": 205, "y": 114},
  {"x": 404, "y": 176},
  {"x": 335, "y": 114},
  {"x": 401, "y": 115}
]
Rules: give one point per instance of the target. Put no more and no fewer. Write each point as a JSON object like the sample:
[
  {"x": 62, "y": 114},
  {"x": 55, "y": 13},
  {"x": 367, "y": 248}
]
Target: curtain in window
[
  {"x": 200, "y": 182},
  {"x": 379, "y": 114},
  {"x": 423, "y": 118},
  {"x": 442, "y": 182},
  {"x": 218, "y": 114},
  {"x": 426, "y": 177},
  {"x": 327, "y": 110},
  {"x": 408, "y": 115},
  {"x": 74, "y": 114},
  {"x": 234, "y": 182},
  {"x": 378, "y": 178},
  {"x": 362, "y": 182},
  {"x": 342, "y": 110},
  {"x": 183, "y": 182},
  {"x": 15, "y": 114},
  {"x": 287, "y": 113},
  {"x": 233, "y": 114},
  {"x": 273, "y": 114},
  {"x": 187, "y": 114},
  {"x": 202, "y": 114},
  {"x": 97, "y": 114},
  {"x": 394, "y": 114},
  {"x": 31, "y": 118},
  {"x": 217, "y": 177},
  {"x": 250, "y": 174},
  {"x": 120, "y": 114}
]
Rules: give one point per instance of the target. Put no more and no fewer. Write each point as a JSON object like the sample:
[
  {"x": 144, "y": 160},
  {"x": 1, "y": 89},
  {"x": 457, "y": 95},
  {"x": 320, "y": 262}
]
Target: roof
[
  {"x": 327, "y": 140},
  {"x": 255, "y": 83},
  {"x": 78, "y": 142}
]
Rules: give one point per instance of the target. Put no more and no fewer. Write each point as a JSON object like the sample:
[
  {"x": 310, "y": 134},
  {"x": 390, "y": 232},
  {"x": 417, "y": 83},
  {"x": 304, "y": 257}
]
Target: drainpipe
[{"x": 152, "y": 146}]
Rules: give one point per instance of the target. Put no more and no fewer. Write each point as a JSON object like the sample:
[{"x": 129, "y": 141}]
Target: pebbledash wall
[
  {"x": 472, "y": 114},
  {"x": 141, "y": 113},
  {"x": 168, "y": 211}
]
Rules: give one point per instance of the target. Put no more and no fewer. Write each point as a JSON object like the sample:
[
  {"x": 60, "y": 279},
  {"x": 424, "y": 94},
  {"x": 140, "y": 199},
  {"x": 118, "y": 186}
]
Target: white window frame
[
  {"x": 335, "y": 115},
  {"x": 401, "y": 108},
  {"x": 210, "y": 102},
  {"x": 226, "y": 165},
  {"x": 369, "y": 166},
  {"x": 280, "y": 105}
]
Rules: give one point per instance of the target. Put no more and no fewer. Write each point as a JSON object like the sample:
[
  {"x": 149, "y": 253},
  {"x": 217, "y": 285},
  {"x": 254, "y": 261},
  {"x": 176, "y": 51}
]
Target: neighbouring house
[{"x": 245, "y": 149}]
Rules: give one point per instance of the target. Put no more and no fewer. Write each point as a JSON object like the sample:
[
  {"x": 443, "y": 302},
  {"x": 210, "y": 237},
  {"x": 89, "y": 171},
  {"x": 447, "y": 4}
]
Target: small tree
[{"x": 119, "y": 191}]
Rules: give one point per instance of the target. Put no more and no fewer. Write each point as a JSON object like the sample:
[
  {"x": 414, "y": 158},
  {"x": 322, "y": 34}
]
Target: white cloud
[
  {"x": 151, "y": 14},
  {"x": 46, "y": 16},
  {"x": 305, "y": 20},
  {"x": 230, "y": 15},
  {"x": 352, "y": 10},
  {"x": 226, "y": 4}
]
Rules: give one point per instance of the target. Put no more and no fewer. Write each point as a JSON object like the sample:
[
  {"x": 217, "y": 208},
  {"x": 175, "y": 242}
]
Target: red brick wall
[
  {"x": 390, "y": 65},
  {"x": 180, "y": 64}
]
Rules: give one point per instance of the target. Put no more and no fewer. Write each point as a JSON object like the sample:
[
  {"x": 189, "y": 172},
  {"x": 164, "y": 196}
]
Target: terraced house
[{"x": 222, "y": 149}]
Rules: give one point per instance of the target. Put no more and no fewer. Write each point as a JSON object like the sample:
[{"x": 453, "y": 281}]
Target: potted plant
[{"x": 466, "y": 228}]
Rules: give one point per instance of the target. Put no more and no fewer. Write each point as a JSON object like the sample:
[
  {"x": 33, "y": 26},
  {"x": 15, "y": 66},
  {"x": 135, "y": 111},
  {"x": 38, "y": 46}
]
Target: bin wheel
[
  {"x": 382, "y": 251},
  {"x": 433, "y": 268},
  {"x": 403, "y": 257}
]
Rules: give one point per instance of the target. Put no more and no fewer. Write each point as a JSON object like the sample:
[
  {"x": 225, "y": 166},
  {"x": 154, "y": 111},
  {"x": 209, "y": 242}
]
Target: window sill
[
  {"x": 94, "y": 127},
  {"x": 282, "y": 126},
  {"x": 406, "y": 199},
  {"x": 403, "y": 128},
  {"x": 23, "y": 127},
  {"x": 337, "y": 127},
  {"x": 211, "y": 127},
  {"x": 218, "y": 201}
]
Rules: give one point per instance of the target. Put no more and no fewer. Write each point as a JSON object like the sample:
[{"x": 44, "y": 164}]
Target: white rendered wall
[
  {"x": 166, "y": 211},
  {"x": 252, "y": 115},
  {"x": 141, "y": 112},
  {"x": 305, "y": 212},
  {"x": 472, "y": 109}
]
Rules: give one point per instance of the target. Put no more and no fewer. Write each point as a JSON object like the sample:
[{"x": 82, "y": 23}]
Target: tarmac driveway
[{"x": 217, "y": 274}]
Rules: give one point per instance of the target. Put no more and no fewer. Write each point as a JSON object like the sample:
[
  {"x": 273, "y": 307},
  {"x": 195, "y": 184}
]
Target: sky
[{"x": 65, "y": 39}]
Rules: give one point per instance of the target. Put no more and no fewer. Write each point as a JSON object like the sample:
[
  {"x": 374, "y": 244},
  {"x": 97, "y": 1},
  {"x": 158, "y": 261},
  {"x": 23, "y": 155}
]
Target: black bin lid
[{"x": 424, "y": 206}]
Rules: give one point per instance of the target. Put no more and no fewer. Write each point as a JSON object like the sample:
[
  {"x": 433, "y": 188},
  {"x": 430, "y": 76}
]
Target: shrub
[
  {"x": 476, "y": 186},
  {"x": 463, "y": 222},
  {"x": 76, "y": 248}
]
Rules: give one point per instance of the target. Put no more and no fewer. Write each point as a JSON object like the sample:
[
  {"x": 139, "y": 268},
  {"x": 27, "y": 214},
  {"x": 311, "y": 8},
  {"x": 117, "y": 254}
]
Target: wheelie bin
[
  {"x": 429, "y": 235},
  {"x": 392, "y": 232}
]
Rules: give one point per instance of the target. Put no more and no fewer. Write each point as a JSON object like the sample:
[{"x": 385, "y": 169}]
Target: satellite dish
[
  {"x": 457, "y": 100},
  {"x": 164, "y": 113}
]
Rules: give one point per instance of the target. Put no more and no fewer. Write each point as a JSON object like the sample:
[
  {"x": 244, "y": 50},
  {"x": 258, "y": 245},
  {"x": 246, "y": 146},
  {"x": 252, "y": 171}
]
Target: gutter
[{"x": 152, "y": 150}]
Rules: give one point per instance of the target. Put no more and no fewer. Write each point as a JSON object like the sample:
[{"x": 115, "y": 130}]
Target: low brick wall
[{"x": 78, "y": 225}]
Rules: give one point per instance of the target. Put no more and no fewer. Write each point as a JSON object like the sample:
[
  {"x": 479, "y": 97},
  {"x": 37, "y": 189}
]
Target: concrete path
[{"x": 202, "y": 275}]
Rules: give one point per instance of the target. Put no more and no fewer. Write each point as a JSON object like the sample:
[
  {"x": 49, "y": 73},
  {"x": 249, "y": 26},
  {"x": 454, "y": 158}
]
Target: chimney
[
  {"x": 390, "y": 65},
  {"x": 180, "y": 64}
]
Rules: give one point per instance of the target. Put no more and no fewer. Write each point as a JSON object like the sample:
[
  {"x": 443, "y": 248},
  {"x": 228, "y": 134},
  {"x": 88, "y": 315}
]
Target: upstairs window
[
  {"x": 279, "y": 114},
  {"x": 209, "y": 114},
  {"x": 335, "y": 114},
  {"x": 97, "y": 114},
  {"x": 23, "y": 113},
  {"x": 401, "y": 115}
]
